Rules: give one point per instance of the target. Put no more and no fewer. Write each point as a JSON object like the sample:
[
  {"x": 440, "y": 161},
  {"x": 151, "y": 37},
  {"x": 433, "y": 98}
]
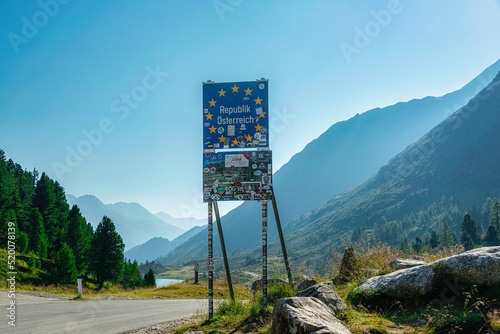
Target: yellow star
[
  {"x": 212, "y": 129},
  {"x": 222, "y": 92},
  {"x": 248, "y": 137},
  {"x": 235, "y": 142},
  {"x": 235, "y": 89},
  {"x": 222, "y": 139},
  {"x": 248, "y": 91},
  {"x": 212, "y": 103},
  {"x": 262, "y": 115},
  {"x": 209, "y": 116},
  {"x": 258, "y": 127},
  {"x": 258, "y": 100}
]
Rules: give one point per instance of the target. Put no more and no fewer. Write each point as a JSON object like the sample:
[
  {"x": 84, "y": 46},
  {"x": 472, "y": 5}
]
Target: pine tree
[
  {"x": 471, "y": 234},
  {"x": 492, "y": 238},
  {"x": 467, "y": 240},
  {"x": 131, "y": 276},
  {"x": 434, "y": 240},
  {"x": 405, "y": 246},
  {"x": 22, "y": 242},
  {"x": 37, "y": 237},
  {"x": 495, "y": 214},
  {"x": 77, "y": 238},
  {"x": 107, "y": 252},
  {"x": 65, "y": 268},
  {"x": 150, "y": 279},
  {"x": 417, "y": 245},
  {"x": 448, "y": 238}
]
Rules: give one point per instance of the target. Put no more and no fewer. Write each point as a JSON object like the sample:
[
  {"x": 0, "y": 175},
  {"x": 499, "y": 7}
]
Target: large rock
[
  {"x": 325, "y": 292},
  {"x": 404, "y": 283},
  {"x": 303, "y": 315},
  {"x": 348, "y": 267},
  {"x": 478, "y": 266},
  {"x": 405, "y": 263},
  {"x": 307, "y": 283}
]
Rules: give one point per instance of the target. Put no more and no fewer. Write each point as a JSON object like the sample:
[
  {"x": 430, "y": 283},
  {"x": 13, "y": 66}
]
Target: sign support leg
[
  {"x": 210, "y": 262},
  {"x": 282, "y": 240},
  {"x": 224, "y": 254},
  {"x": 264, "y": 254}
]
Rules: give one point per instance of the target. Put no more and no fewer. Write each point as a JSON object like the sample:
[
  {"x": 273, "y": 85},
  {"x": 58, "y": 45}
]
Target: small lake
[{"x": 166, "y": 281}]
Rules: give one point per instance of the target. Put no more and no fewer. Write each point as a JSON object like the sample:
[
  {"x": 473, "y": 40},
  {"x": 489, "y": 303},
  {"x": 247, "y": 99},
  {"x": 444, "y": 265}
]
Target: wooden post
[
  {"x": 210, "y": 264},
  {"x": 224, "y": 254},
  {"x": 282, "y": 240},
  {"x": 196, "y": 269}
]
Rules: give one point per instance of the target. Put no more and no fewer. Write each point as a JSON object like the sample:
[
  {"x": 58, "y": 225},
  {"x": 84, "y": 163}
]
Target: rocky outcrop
[
  {"x": 405, "y": 263},
  {"x": 348, "y": 267},
  {"x": 478, "y": 266},
  {"x": 306, "y": 284},
  {"x": 325, "y": 292},
  {"x": 301, "y": 315}
]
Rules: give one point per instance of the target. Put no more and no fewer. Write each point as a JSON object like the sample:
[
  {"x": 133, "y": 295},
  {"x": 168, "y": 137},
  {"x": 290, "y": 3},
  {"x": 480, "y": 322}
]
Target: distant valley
[{"x": 134, "y": 223}]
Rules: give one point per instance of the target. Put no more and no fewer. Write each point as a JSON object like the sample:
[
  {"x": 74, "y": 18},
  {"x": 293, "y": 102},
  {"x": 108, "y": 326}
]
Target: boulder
[
  {"x": 325, "y": 292},
  {"x": 478, "y": 266},
  {"x": 306, "y": 284},
  {"x": 405, "y": 263},
  {"x": 404, "y": 283},
  {"x": 348, "y": 267},
  {"x": 301, "y": 315}
]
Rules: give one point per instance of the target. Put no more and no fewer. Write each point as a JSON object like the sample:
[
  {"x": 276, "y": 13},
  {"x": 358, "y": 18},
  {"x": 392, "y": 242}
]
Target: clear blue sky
[{"x": 67, "y": 67}]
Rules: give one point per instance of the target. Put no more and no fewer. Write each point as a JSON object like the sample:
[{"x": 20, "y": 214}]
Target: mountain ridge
[
  {"x": 352, "y": 150},
  {"x": 133, "y": 222}
]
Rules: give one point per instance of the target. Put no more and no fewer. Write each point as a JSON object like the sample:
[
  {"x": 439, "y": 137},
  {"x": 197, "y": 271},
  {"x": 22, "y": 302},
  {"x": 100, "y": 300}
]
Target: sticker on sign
[
  {"x": 210, "y": 265},
  {"x": 237, "y": 160}
]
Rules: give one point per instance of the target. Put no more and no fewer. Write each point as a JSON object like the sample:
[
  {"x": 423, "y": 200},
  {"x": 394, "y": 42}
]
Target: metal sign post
[
  {"x": 264, "y": 254},
  {"x": 282, "y": 239},
  {"x": 224, "y": 254},
  {"x": 210, "y": 264}
]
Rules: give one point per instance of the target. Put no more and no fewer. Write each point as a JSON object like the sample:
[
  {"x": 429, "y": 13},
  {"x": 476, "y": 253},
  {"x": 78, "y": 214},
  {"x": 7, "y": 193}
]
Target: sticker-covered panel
[
  {"x": 235, "y": 115},
  {"x": 237, "y": 176}
]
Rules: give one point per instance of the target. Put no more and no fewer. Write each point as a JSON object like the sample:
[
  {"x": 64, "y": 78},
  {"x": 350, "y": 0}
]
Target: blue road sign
[
  {"x": 237, "y": 176},
  {"x": 235, "y": 115}
]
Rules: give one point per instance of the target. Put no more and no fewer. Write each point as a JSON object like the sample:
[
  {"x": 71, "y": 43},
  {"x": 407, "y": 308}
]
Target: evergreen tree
[
  {"x": 417, "y": 245},
  {"x": 131, "y": 276},
  {"x": 448, "y": 238},
  {"x": 434, "y": 240},
  {"x": 65, "y": 268},
  {"x": 50, "y": 200},
  {"x": 22, "y": 242},
  {"x": 150, "y": 279},
  {"x": 77, "y": 238},
  {"x": 37, "y": 237},
  {"x": 492, "y": 238},
  {"x": 495, "y": 214},
  {"x": 107, "y": 252},
  {"x": 471, "y": 234},
  {"x": 405, "y": 246},
  {"x": 467, "y": 241}
]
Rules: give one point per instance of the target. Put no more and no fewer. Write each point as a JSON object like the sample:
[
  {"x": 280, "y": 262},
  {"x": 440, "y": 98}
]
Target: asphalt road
[{"x": 51, "y": 315}]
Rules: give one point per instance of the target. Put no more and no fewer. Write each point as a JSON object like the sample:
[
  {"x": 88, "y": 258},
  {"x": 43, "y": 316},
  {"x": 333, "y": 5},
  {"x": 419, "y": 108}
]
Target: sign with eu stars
[{"x": 235, "y": 115}]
